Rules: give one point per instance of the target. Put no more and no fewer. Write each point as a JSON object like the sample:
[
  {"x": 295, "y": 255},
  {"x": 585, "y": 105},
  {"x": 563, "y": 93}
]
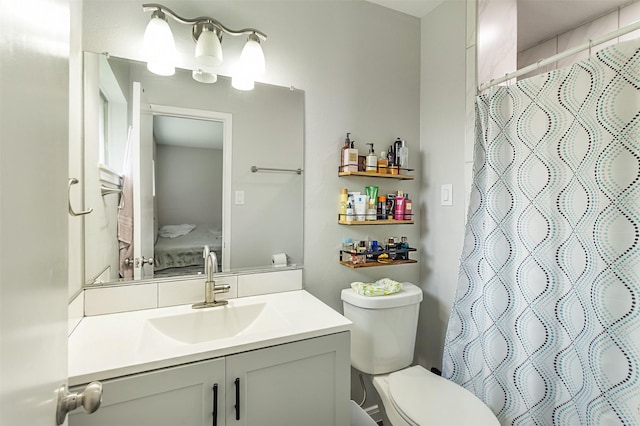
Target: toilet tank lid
[{"x": 410, "y": 294}]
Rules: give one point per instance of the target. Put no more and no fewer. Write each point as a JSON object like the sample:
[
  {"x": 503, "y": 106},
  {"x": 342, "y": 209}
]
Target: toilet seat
[{"x": 421, "y": 398}]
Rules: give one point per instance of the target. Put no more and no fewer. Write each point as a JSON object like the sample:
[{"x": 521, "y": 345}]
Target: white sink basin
[{"x": 221, "y": 322}]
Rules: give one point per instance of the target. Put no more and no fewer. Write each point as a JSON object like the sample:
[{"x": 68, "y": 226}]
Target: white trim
[
  {"x": 226, "y": 120},
  {"x": 543, "y": 62}
]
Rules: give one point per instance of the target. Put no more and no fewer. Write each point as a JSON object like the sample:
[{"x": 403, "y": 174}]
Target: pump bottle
[
  {"x": 344, "y": 154},
  {"x": 371, "y": 165}
]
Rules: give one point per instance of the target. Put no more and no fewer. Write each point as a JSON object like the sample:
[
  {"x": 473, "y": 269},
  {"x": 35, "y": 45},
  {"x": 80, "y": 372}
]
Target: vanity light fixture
[{"x": 207, "y": 34}]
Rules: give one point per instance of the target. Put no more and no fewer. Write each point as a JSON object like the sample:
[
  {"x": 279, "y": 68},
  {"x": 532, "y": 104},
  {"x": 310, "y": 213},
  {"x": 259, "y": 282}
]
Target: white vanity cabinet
[
  {"x": 181, "y": 395},
  {"x": 305, "y": 382}
]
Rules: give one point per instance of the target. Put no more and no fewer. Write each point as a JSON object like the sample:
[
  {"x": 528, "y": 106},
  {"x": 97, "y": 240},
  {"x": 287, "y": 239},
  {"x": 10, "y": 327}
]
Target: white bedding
[{"x": 186, "y": 250}]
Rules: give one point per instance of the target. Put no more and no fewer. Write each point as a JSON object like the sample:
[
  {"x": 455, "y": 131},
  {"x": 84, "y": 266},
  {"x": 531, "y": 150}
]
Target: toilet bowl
[
  {"x": 417, "y": 397},
  {"x": 382, "y": 344}
]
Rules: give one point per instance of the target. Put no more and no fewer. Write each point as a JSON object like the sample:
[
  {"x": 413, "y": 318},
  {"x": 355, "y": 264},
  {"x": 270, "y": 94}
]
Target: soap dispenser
[
  {"x": 344, "y": 154},
  {"x": 371, "y": 165}
]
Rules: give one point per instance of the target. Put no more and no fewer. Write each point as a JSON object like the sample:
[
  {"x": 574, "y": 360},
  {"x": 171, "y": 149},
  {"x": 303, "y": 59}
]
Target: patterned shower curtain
[{"x": 545, "y": 325}]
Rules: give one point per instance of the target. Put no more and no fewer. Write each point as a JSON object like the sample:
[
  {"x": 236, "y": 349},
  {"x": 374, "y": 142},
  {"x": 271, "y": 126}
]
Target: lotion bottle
[
  {"x": 371, "y": 165},
  {"x": 398, "y": 213},
  {"x": 353, "y": 158},
  {"x": 344, "y": 154}
]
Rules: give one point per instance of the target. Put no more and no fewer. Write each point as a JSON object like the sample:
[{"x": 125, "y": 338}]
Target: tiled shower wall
[{"x": 617, "y": 18}]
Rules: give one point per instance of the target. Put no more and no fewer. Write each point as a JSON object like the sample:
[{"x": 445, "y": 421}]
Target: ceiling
[
  {"x": 538, "y": 20},
  {"x": 187, "y": 132}
]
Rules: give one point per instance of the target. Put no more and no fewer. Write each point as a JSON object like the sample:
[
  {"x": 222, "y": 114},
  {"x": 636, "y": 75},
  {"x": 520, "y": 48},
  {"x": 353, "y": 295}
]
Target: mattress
[{"x": 186, "y": 250}]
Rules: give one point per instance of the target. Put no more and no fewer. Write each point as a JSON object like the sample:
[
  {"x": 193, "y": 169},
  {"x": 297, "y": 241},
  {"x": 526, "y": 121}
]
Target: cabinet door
[
  {"x": 301, "y": 383},
  {"x": 170, "y": 397}
]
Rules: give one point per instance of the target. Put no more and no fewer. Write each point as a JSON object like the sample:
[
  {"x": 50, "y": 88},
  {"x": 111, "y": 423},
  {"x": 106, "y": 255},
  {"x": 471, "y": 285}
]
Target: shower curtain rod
[{"x": 542, "y": 62}]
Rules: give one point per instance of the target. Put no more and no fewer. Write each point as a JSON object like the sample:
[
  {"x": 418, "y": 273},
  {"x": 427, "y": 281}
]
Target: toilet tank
[{"x": 384, "y": 328}]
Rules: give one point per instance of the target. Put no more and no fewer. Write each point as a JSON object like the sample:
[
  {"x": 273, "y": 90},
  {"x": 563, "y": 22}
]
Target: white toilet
[{"x": 382, "y": 343}]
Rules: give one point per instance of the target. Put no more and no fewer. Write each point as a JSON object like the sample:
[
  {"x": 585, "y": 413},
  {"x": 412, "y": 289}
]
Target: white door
[
  {"x": 34, "y": 123},
  {"x": 142, "y": 139}
]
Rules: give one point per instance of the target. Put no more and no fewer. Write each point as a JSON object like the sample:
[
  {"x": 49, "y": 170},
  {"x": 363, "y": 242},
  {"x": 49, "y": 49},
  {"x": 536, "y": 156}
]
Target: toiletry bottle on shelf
[
  {"x": 344, "y": 154},
  {"x": 391, "y": 203},
  {"x": 361, "y": 207},
  {"x": 350, "y": 212},
  {"x": 353, "y": 157},
  {"x": 408, "y": 213},
  {"x": 392, "y": 167},
  {"x": 383, "y": 162},
  {"x": 403, "y": 157},
  {"x": 372, "y": 161},
  {"x": 351, "y": 162},
  {"x": 396, "y": 150},
  {"x": 344, "y": 200},
  {"x": 398, "y": 213},
  {"x": 381, "y": 211},
  {"x": 372, "y": 193}
]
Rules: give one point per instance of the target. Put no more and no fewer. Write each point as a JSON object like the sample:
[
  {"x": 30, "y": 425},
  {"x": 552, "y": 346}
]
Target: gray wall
[
  {"x": 442, "y": 137},
  {"x": 359, "y": 66},
  {"x": 362, "y": 76},
  {"x": 182, "y": 174}
]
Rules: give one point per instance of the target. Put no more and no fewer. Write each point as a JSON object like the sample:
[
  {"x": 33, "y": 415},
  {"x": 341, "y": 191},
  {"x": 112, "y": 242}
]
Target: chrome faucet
[{"x": 210, "y": 287}]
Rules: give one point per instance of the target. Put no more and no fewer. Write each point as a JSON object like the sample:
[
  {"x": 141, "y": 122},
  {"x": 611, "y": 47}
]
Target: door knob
[
  {"x": 148, "y": 261},
  {"x": 89, "y": 399}
]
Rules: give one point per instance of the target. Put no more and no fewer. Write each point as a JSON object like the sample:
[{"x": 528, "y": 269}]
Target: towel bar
[{"x": 258, "y": 169}]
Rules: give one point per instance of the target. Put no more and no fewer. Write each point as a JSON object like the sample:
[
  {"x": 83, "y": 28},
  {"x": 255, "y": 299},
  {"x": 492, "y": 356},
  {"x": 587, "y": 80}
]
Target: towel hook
[{"x": 73, "y": 181}]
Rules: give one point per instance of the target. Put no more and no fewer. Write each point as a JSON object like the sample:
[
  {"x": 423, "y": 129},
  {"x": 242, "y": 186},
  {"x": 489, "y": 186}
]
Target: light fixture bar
[{"x": 148, "y": 7}]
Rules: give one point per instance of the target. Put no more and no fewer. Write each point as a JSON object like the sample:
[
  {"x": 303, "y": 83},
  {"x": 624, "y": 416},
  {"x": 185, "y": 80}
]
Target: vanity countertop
[{"x": 108, "y": 346}]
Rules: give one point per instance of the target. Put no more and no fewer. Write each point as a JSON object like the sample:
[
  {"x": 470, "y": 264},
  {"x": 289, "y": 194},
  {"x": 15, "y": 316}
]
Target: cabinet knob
[{"x": 89, "y": 399}]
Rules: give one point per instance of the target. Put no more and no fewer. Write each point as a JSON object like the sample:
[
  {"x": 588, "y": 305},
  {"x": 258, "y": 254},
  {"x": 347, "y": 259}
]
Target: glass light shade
[
  {"x": 208, "y": 49},
  {"x": 242, "y": 81},
  {"x": 159, "y": 47},
  {"x": 204, "y": 76},
  {"x": 252, "y": 58}
]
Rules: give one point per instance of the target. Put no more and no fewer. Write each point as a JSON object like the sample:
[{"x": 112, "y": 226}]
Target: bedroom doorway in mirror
[{"x": 189, "y": 169}]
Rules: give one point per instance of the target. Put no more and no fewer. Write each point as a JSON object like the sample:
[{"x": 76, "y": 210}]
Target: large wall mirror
[{"x": 169, "y": 168}]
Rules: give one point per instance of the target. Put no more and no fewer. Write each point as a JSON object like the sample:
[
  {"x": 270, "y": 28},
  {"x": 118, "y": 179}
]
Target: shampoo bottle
[
  {"x": 371, "y": 165},
  {"x": 398, "y": 213},
  {"x": 408, "y": 209}
]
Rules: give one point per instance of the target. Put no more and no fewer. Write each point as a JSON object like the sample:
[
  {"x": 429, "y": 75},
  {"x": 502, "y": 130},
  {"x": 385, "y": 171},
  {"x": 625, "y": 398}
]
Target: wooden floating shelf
[
  {"x": 370, "y": 264},
  {"x": 376, "y": 222},
  {"x": 377, "y": 175}
]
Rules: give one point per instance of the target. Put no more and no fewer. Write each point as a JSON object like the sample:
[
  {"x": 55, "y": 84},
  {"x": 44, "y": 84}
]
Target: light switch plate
[
  {"x": 446, "y": 195},
  {"x": 239, "y": 197}
]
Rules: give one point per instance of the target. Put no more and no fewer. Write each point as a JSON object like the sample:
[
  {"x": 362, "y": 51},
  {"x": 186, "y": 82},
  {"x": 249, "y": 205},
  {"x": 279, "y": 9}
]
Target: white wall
[
  {"x": 617, "y": 18},
  {"x": 181, "y": 175},
  {"x": 442, "y": 138},
  {"x": 497, "y": 38}
]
